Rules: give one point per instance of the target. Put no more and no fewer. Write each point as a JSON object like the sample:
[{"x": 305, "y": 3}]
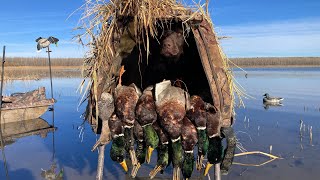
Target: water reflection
[
  {"x": 15, "y": 130},
  {"x": 266, "y": 105}
]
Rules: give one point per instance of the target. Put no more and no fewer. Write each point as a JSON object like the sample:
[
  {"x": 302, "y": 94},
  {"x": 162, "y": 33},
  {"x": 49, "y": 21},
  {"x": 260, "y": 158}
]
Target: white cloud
[{"x": 283, "y": 38}]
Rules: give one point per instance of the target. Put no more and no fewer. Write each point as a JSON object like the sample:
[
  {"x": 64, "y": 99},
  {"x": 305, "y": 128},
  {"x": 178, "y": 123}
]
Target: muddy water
[{"x": 257, "y": 128}]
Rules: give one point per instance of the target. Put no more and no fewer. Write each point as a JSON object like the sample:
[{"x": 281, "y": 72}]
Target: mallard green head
[
  {"x": 163, "y": 159},
  {"x": 214, "y": 154},
  {"x": 152, "y": 140},
  {"x": 188, "y": 164},
  {"x": 141, "y": 157},
  {"x": 117, "y": 151},
  {"x": 141, "y": 152},
  {"x": 203, "y": 144},
  {"x": 177, "y": 152}
]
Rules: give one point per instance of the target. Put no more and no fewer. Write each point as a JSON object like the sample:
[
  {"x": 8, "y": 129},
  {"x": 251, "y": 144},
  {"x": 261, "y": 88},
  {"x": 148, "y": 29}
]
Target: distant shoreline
[
  {"x": 254, "y": 62},
  {"x": 275, "y": 62}
]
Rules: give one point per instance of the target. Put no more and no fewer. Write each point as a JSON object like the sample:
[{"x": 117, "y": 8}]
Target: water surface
[{"x": 257, "y": 129}]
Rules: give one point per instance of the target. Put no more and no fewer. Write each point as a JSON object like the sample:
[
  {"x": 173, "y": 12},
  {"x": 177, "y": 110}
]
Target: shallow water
[{"x": 257, "y": 128}]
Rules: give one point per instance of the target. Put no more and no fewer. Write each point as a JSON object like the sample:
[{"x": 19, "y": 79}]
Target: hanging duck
[
  {"x": 189, "y": 140},
  {"x": 214, "y": 154},
  {"x": 140, "y": 149},
  {"x": 146, "y": 115},
  {"x": 171, "y": 105},
  {"x": 198, "y": 115},
  {"x": 162, "y": 149},
  {"x": 126, "y": 98},
  {"x": 117, "y": 151}
]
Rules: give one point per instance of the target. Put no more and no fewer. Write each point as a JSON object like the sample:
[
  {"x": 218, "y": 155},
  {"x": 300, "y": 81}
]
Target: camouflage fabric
[{"x": 29, "y": 99}]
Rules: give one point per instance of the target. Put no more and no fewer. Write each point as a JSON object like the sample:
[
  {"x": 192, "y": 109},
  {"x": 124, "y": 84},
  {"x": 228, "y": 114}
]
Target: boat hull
[{"x": 21, "y": 114}]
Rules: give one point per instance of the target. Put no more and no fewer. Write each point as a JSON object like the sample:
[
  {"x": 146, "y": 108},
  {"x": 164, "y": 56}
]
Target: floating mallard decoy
[
  {"x": 162, "y": 149},
  {"x": 45, "y": 42},
  {"x": 189, "y": 140},
  {"x": 198, "y": 115},
  {"x": 270, "y": 99},
  {"x": 146, "y": 115},
  {"x": 171, "y": 103},
  {"x": 214, "y": 154},
  {"x": 140, "y": 149},
  {"x": 117, "y": 151},
  {"x": 126, "y": 98}
]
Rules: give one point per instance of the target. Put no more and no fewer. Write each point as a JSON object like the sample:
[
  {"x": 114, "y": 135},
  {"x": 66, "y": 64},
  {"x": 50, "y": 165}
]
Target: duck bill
[
  {"x": 155, "y": 171},
  {"x": 149, "y": 153},
  {"x": 124, "y": 165},
  {"x": 208, "y": 166}
]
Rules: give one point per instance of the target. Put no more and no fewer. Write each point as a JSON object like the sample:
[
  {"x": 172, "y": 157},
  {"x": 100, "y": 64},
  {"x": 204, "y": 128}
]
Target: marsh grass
[
  {"x": 25, "y": 68},
  {"x": 39, "y": 72},
  {"x": 37, "y": 61},
  {"x": 277, "y": 62}
]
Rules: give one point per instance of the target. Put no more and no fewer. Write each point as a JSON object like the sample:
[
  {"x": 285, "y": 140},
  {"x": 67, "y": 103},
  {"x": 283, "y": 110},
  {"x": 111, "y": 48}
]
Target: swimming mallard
[
  {"x": 140, "y": 149},
  {"x": 189, "y": 140},
  {"x": 117, "y": 151},
  {"x": 198, "y": 115},
  {"x": 126, "y": 98},
  {"x": 214, "y": 154},
  {"x": 162, "y": 149},
  {"x": 270, "y": 99},
  {"x": 146, "y": 115},
  {"x": 171, "y": 105}
]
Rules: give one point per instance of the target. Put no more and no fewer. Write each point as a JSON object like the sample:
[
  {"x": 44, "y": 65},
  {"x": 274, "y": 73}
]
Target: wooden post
[
  {"x": 217, "y": 174},
  {"x": 100, "y": 163},
  {"x": 1, "y": 137}
]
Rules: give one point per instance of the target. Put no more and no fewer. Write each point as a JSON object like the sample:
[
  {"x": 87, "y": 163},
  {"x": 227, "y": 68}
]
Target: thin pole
[
  {"x": 100, "y": 163},
  {"x": 217, "y": 174},
  {"x": 1, "y": 137},
  {"x": 50, "y": 71},
  {"x": 53, "y": 141}
]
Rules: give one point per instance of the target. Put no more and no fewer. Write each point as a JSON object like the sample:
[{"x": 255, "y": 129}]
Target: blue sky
[{"x": 257, "y": 27}]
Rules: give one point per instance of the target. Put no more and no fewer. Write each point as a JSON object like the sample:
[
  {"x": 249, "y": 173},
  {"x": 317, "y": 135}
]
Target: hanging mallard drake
[
  {"x": 162, "y": 149},
  {"x": 140, "y": 149},
  {"x": 171, "y": 105},
  {"x": 146, "y": 115},
  {"x": 189, "y": 140},
  {"x": 126, "y": 98},
  {"x": 214, "y": 154},
  {"x": 198, "y": 115},
  {"x": 117, "y": 151}
]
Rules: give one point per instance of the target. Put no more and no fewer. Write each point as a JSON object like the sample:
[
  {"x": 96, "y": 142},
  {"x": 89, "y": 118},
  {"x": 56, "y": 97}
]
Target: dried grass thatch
[{"x": 106, "y": 23}]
